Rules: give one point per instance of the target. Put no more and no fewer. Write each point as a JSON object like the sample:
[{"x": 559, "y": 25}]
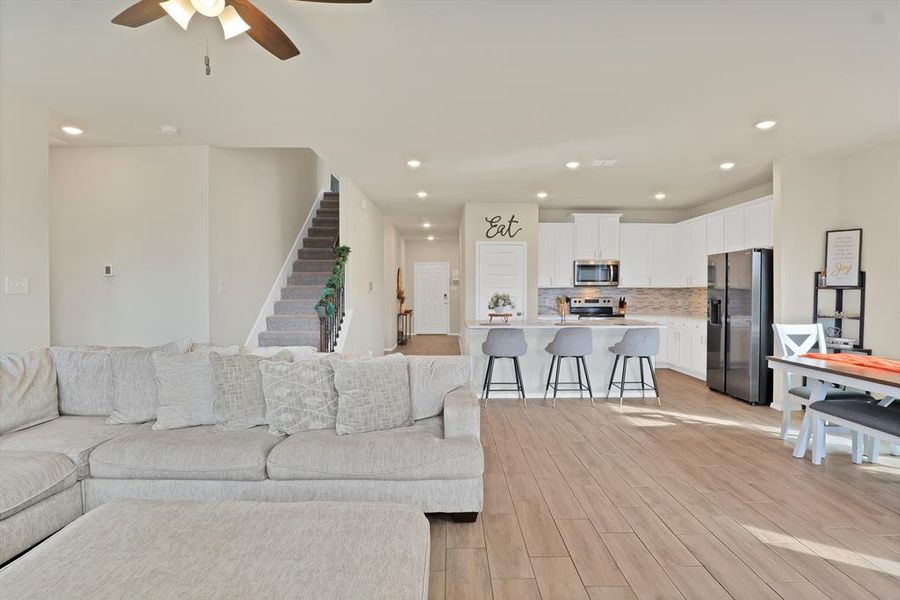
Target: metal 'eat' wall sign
[{"x": 499, "y": 228}]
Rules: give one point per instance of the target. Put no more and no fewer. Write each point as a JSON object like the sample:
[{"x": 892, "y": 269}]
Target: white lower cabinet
[{"x": 682, "y": 344}]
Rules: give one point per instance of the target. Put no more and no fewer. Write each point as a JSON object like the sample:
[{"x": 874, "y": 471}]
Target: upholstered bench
[
  {"x": 864, "y": 420},
  {"x": 177, "y": 549}
]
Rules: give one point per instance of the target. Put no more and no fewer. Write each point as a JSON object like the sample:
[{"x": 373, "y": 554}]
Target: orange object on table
[{"x": 871, "y": 362}]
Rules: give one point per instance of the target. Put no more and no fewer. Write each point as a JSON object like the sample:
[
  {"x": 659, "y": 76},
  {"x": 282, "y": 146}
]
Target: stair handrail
[{"x": 331, "y": 307}]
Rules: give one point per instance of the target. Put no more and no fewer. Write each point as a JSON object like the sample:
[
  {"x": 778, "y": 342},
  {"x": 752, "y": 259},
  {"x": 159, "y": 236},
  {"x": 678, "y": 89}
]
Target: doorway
[{"x": 431, "y": 290}]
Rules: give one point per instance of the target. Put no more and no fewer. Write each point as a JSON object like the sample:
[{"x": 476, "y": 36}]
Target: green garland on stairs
[{"x": 335, "y": 280}]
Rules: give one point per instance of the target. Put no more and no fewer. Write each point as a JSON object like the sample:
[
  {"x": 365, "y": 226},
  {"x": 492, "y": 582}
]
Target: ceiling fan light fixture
[
  {"x": 232, "y": 23},
  {"x": 209, "y": 8},
  {"x": 180, "y": 10}
]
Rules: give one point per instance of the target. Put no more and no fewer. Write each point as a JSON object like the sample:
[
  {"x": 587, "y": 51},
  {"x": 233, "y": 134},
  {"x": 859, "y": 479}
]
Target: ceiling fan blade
[
  {"x": 266, "y": 33},
  {"x": 140, "y": 13}
]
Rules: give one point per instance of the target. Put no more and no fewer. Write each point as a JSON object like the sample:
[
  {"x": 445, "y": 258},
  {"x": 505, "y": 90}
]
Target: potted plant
[{"x": 501, "y": 303}]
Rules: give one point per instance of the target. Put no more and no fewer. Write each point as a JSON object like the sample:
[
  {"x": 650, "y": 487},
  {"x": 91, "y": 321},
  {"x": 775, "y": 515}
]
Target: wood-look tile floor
[
  {"x": 420, "y": 345},
  {"x": 696, "y": 499}
]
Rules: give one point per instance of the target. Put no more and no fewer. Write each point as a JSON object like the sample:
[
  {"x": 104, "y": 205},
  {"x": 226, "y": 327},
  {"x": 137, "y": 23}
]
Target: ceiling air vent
[{"x": 604, "y": 162}]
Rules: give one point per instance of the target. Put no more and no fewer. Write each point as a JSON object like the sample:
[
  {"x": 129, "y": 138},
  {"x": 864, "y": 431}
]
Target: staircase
[{"x": 295, "y": 322}]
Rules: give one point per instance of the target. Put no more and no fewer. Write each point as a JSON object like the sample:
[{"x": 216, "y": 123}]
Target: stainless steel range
[{"x": 593, "y": 308}]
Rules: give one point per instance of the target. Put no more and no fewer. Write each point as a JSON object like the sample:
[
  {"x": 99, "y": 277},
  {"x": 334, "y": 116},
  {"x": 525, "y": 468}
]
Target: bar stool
[
  {"x": 641, "y": 344},
  {"x": 504, "y": 343},
  {"x": 570, "y": 342}
]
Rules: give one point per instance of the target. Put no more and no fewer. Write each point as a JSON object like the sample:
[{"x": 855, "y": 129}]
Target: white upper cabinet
[
  {"x": 734, "y": 229},
  {"x": 664, "y": 268},
  {"x": 596, "y": 236},
  {"x": 634, "y": 259},
  {"x": 690, "y": 253},
  {"x": 758, "y": 225},
  {"x": 555, "y": 254},
  {"x": 715, "y": 234}
]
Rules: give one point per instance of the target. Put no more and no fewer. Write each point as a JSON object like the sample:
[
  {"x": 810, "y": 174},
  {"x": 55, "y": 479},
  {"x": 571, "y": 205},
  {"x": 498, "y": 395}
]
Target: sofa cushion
[
  {"x": 26, "y": 478},
  {"x": 85, "y": 381},
  {"x": 299, "y": 396},
  {"x": 373, "y": 394},
  {"x": 74, "y": 437},
  {"x": 190, "y": 453},
  {"x": 27, "y": 390},
  {"x": 135, "y": 394},
  {"x": 237, "y": 383},
  {"x": 407, "y": 453},
  {"x": 431, "y": 378}
]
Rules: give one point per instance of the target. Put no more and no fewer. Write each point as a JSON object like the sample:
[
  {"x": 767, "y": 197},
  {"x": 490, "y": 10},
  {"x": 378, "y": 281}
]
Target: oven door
[{"x": 591, "y": 273}]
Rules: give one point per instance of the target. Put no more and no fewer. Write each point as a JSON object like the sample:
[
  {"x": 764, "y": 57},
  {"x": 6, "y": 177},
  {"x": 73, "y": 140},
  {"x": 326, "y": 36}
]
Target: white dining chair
[{"x": 796, "y": 340}]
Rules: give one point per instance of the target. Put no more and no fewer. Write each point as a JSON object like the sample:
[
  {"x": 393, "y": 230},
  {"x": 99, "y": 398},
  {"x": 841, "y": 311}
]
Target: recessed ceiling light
[
  {"x": 430, "y": 238},
  {"x": 72, "y": 130},
  {"x": 764, "y": 125},
  {"x": 168, "y": 130},
  {"x": 422, "y": 194},
  {"x": 660, "y": 195},
  {"x": 413, "y": 163},
  {"x": 726, "y": 166},
  {"x": 426, "y": 225},
  {"x": 541, "y": 195},
  {"x": 572, "y": 165}
]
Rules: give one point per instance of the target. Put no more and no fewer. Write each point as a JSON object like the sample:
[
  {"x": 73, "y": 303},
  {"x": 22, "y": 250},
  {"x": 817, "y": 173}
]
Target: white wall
[
  {"x": 394, "y": 252},
  {"x": 436, "y": 251},
  {"x": 259, "y": 200},
  {"x": 818, "y": 193},
  {"x": 24, "y": 236},
  {"x": 362, "y": 228},
  {"x": 870, "y": 198},
  {"x": 144, "y": 209}
]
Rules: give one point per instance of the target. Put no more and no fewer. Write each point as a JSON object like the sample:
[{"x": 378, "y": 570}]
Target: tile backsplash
[{"x": 677, "y": 302}]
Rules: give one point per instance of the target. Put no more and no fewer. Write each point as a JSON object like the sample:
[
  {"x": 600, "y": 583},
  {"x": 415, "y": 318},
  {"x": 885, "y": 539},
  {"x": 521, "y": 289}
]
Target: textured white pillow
[
  {"x": 27, "y": 390},
  {"x": 373, "y": 394},
  {"x": 239, "y": 402},
  {"x": 299, "y": 396},
  {"x": 135, "y": 393},
  {"x": 185, "y": 389},
  {"x": 298, "y": 353}
]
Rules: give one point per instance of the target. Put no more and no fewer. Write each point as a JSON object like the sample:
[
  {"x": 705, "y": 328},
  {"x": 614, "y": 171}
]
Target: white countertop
[{"x": 613, "y": 323}]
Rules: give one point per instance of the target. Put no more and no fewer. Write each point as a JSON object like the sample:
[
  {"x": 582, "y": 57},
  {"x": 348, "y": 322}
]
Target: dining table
[{"x": 821, "y": 374}]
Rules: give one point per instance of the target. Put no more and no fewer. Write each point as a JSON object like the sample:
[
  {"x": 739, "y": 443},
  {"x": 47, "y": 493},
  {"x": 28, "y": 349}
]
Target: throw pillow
[
  {"x": 430, "y": 378},
  {"x": 134, "y": 382},
  {"x": 373, "y": 394},
  {"x": 239, "y": 402},
  {"x": 28, "y": 393},
  {"x": 297, "y": 352},
  {"x": 84, "y": 378},
  {"x": 299, "y": 396},
  {"x": 185, "y": 388}
]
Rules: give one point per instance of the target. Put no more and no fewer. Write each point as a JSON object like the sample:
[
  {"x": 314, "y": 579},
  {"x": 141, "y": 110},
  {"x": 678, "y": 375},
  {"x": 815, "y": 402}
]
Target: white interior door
[
  {"x": 500, "y": 268},
  {"x": 431, "y": 289}
]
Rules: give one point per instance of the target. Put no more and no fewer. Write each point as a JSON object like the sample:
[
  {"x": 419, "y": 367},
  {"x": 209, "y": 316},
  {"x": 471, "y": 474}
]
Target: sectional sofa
[{"x": 63, "y": 466}]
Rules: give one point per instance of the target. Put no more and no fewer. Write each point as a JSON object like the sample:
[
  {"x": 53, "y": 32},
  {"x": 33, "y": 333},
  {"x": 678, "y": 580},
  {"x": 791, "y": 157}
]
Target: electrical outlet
[{"x": 16, "y": 284}]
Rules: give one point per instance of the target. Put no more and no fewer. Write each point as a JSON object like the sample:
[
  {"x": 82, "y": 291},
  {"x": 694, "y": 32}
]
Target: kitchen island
[{"x": 536, "y": 364}]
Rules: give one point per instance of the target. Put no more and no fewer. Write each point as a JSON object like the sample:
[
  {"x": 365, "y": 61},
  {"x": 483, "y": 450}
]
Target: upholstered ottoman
[{"x": 174, "y": 549}]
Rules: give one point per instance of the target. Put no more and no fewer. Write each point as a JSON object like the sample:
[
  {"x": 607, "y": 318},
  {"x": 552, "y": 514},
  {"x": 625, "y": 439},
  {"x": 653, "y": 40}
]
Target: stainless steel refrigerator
[{"x": 739, "y": 324}]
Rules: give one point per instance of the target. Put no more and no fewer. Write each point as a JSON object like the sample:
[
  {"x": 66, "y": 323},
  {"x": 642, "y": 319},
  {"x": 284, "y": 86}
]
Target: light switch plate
[{"x": 16, "y": 284}]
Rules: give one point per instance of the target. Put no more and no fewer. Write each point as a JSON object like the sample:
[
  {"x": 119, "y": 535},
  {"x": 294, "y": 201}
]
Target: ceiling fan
[{"x": 236, "y": 17}]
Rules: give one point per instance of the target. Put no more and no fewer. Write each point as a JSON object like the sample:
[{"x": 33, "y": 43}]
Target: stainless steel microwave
[{"x": 591, "y": 273}]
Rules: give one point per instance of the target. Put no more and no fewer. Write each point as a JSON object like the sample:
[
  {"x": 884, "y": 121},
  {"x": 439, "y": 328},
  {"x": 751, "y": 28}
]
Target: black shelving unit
[{"x": 839, "y": 307}]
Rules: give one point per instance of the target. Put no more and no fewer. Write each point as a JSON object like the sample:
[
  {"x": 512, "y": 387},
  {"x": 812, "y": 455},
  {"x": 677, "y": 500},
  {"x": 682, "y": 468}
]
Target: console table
[{"x": 404, "y": 326}]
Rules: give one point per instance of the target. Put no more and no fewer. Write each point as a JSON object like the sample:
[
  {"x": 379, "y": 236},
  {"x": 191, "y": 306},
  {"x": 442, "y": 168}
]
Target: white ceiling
[{"x": 493, "y": 97}]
